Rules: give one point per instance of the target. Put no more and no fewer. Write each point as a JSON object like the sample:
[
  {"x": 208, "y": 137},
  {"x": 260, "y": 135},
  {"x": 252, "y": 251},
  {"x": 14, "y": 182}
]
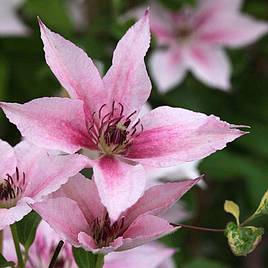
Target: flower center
[
  {"x": 104, "y": 232},
  {"x": 112, "y": 131},
  {"x": 185, "y": 29},
  {"x": 11, "y": 190}
]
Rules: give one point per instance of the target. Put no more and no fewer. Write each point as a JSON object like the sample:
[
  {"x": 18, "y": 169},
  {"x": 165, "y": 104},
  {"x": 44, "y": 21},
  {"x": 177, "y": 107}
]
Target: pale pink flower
[
  {"x": 76, "y": 213},
  {"x": 153, "y": 255},
  {"x": 27, "y": 174},
  {"x": 42, "y": 249},
  {"x": 10, "y": 23},
  {"x": 194, "y": 39},
  {"x": 102, "y": 117}
]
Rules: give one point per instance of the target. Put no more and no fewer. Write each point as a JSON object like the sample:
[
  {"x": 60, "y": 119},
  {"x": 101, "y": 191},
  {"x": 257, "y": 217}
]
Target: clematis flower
[
  {"x": 76, "y": 213},
  {"x": 153, "y": 255},
  {"x": 27, "y": 174},
  {"x": 42, "y": 249},
  {"x": 10, "y": 24},
  {"x": 194, "y": 39},
  {"x": 102, "y": 117}
]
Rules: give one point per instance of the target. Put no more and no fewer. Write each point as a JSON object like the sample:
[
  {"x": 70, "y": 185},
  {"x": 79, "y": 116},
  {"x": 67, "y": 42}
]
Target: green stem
[
  {"x": 197, "y": 228},
  {"x": 247, "y": 220},
  {"x": 99, "y": 261},
  {"x": 1, "y": 241},
  {"x": 17, "y": 245},
  {"x": 56, "y": 254}
]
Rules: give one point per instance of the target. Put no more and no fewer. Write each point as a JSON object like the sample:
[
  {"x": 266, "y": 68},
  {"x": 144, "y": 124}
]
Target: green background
[{"x": 238, "y": 173}]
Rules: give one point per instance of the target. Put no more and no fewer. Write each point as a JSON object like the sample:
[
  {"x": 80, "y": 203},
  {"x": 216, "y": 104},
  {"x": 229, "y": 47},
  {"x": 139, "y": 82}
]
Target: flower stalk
[
  {"x": 17, "y": 245},
  {"x": 198, "y": 228},
  {"x": 56, "y": 254},
  {"x": 99, "y": 261}
]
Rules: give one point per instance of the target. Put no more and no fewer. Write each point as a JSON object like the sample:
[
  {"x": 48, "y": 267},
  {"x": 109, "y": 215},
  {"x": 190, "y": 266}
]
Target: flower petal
[
  {"x": 233, "y": 30},
  {"x": 84, "y": 192},
  {"x": 89, "y": 244},
  {"x": 74, "y": 69},
  {"x": 168, "y": 68},
  {"x": 167, "y": 194},
  {"x": 14, "y": 214},
  {"x": 144, "y": 229},
  {"x": 174, "y": 135},
  {"x": 53, "y": 123},
  {"x": 127, "y": 79},
  {"x": 64, "y": 216},
  {"x": 210, "y": 65},
  {"x": 151, "y": 255},
  {"x": 8, "y": 160},
  {"x": 119, "y": 184},
  {"x": 50, "y": 172}
]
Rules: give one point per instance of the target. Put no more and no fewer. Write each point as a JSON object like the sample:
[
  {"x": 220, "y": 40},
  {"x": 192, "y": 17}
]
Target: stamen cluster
[
  {"x": 104, "y": 232},
  {"x": 11, "y": 190},
  {"x": 112, "y": 132}
]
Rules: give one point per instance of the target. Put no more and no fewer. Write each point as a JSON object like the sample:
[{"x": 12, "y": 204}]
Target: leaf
[
  {"x": 5, "y": 263},
  {"x": 263, "y": 206},
  {"x": 232, "y": 208},
  {"x": 243, "y": 240},
  {"x": 27, "y": 229},
  {"x": 83, "y": 258}
]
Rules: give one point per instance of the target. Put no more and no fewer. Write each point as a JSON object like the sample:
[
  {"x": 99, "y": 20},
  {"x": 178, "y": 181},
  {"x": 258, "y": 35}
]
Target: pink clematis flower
[
  {"x": 194, "y": 38},
  {"x": 27, "y": 174},
  {"x": 76, "y": 213},
  {"x": 153, "y": 255},
  {"x": 102, "y": 116},
  {"x": 10, "y": 24},
  {"x": 42, "y": 249}
]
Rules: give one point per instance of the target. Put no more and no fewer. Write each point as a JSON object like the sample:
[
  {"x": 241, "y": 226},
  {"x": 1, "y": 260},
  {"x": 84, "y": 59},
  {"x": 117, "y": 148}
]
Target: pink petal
[
  {"x": 119, "y": 184},
  {"x": 167, "y": 194},
  {"x": 88, "y": 244},
  {"x": 151, "y": 255},
  {"x": 84, "y": 192},
  {"x": 64, "y": 216},
  {"x": 175, "y": 135},
  {"x": 74, "y": 69},
  {"x": 127, "y": 79},
  {"x": 161, "y": 23},
  {"x": 10, "y": 22},
  {"x": 8, "y": 160},
  {"x": 233, "y": 30},
  {"x": 210, "y": 65},
  {"x": 54, "y": 123},
  {"x": 14, "y": 214},
  {"x": 50, "y": 172},
  {"x": 144, "y": 229},
  {"x": 168, "y": 68}
]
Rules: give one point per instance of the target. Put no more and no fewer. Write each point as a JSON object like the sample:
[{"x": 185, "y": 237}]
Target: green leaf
[
  {"x": 27, "y": 229},
  {"x": 5, "y": 263},
  {"x": 243, "y": 240},
  {"x": 263, "y": 206},
  {"x": 84, "y": 259},
  {"x": 232, "y": 208},
  {"x": 202, "y": 262}
]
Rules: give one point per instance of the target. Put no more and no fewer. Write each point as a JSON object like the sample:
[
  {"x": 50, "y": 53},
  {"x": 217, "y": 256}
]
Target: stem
[
  {"x": 247, "y": 220},
  {"x": 197, "y": 228},
  {"x": 99, "y": 261},
  {"x": 1, "y": 241},
  {"x": 56, "y": 254},
  {"x": 17, "y": 245}
]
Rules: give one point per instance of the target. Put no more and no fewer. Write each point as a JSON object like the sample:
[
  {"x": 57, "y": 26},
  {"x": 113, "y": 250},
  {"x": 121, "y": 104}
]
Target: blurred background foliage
[{"x": 239, "y": 173}]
